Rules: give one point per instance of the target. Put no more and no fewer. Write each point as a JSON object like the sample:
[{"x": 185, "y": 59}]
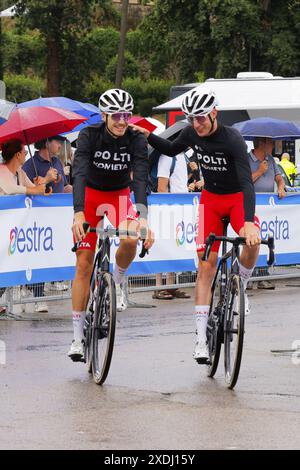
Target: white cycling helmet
[
  {"x": 115, "y": 101},
  {"x": 199, "y": 102}
]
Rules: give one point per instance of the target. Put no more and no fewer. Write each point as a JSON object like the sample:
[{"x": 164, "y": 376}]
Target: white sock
[
  {"x": 119, "y": 274},
  {"x": 245, "y": 274},
  {"x": 78, "y": 324},
  {"x": 201, "y": 312}
]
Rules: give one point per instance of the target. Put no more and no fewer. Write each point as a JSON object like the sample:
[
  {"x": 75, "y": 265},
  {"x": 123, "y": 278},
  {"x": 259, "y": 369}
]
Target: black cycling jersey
[
  {"x": 223, "y": 160},
  {"x": 104, "y": 162}
]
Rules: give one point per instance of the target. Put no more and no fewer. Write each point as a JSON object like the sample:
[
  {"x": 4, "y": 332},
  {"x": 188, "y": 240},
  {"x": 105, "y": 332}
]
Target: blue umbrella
[
  {"x": 84, "y": 109},
  {"x": 275, "y": 129}
]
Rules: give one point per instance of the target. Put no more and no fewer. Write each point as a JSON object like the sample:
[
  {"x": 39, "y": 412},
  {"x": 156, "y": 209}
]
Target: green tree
[
  {"x": 86, "y": 57},
  {"x": 131, "y": 67},
  {"x": 176, "y": 38},
  {"x": 222, "y": 37},
  {"x": 24, "y": 52},
  {"x": 281, "y": 45},
  {"x": 57, "y": 21}
]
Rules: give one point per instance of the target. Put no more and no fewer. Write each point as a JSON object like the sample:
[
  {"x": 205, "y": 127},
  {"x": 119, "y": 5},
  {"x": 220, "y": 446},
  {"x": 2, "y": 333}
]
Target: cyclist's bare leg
[
  {"x": 249, "y": 256},
  {"x": 127, "y": 249},
  {"x": 206, "y": 272},
  {"x": 80, "y": 296},
  {"x": 81, "y": 283},
  {"x": 248, "y": 260}
]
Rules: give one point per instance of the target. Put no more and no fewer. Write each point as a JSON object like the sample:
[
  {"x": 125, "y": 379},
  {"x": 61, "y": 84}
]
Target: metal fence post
[{"x": 129, "y": 302}]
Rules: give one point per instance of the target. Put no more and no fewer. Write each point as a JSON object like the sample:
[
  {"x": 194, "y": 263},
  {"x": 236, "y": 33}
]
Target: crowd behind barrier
[{"x": 36, "y": 241}]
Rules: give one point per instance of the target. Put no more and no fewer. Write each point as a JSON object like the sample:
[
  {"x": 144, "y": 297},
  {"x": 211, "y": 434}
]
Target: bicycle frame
[
  {"x": 234, "y": 254},
  {"x": 226, "y": 325}
]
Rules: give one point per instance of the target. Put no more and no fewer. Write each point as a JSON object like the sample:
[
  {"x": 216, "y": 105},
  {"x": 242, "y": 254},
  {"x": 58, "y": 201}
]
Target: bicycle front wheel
[
  {"x": 104, "y": 325},
  {"x": 234, "y": 330},
  {"x": 214, "y": 331}
]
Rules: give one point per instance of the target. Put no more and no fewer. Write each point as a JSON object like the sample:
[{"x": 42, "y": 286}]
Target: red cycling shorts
[
  {"x": 116, "y": 205},
  {"x": 212, "y": 209}
]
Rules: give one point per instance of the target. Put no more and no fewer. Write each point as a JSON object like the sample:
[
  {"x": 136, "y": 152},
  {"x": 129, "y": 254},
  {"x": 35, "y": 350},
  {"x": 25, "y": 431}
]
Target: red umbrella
[
  {"x": 143, "y": 122},
  {"x": 37, "y": 123}
]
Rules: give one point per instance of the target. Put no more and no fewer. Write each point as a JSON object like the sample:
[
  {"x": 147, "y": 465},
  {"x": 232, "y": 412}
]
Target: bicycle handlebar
[
  {"x": 238, "y": 241},
  {"x": 111, "y": 232}
]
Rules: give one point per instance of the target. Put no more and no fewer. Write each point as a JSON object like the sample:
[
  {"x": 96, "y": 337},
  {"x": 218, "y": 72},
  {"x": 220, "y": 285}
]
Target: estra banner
[
  {"x": 36, "y": 237},
  {"x": 174, "y": 219}
]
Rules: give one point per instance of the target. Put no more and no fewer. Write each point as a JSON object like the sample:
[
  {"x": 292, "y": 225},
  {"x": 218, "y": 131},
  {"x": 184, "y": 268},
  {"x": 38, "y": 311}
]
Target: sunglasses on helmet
[{"x": 118, "y": 116}]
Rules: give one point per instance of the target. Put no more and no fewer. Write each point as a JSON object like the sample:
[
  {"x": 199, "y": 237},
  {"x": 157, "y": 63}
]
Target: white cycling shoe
[
  {"x": 76, "y": 352},
  {"x": 201, "y": 353},
  {"x": 121, "y": 298}
]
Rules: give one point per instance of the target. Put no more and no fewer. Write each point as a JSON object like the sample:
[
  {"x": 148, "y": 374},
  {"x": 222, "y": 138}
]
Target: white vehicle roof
[{"x": 276, "y": 97}]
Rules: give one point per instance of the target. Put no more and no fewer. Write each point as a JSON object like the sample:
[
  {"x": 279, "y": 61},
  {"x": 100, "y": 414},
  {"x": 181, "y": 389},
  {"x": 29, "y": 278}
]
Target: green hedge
[{"x": 22, "y": 88}]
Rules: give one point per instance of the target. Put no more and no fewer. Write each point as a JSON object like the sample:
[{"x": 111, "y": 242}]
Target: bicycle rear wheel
[
  {"x": 214, "y": 331},
  {"x": 234, "y": 330},
  {"x": 104, "y": 325}
]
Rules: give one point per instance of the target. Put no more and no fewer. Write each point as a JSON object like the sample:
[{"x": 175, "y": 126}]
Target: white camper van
[{"x": 250, "y": 95}]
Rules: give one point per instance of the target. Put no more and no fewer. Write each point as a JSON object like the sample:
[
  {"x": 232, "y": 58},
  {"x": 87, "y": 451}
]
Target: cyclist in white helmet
[
  {"x": 228, "y": 191},
  {"x": 107, "y": 155}
]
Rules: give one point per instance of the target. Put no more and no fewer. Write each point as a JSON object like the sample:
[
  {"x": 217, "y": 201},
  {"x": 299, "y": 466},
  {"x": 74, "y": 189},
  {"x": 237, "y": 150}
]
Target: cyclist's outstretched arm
[{"x": 166, "y": 146}]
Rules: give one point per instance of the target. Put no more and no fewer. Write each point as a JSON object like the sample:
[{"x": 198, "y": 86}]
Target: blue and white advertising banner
[
  {"x": 173, "y": 218},
  {"x": 36, "y": 237}
]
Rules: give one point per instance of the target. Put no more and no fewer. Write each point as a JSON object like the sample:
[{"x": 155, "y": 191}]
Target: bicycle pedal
[
  {"x": 203, "y": 361},
  {"x": 77, "y": 358}
]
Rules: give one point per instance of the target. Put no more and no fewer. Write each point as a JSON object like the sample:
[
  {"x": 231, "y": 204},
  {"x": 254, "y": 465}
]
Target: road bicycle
[
  {"x": 100, "y": 320},
  {"x": 226, "y": 320}
]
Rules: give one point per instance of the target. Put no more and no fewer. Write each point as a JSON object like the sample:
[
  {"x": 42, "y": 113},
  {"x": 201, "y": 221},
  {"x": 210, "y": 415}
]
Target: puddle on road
[{"x": 37, "y": 347}]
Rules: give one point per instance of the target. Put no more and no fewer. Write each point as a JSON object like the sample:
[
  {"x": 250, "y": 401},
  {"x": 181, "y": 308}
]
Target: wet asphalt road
[{"x": 156, "y": 396}]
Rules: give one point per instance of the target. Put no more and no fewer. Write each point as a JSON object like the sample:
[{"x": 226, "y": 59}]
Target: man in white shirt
[
  {"x": 171, "y": 178},
  {"x": 172, "y": 181}
]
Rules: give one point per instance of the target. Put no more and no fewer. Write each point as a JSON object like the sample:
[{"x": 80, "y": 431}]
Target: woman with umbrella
[{"x": 13, "y": 180}]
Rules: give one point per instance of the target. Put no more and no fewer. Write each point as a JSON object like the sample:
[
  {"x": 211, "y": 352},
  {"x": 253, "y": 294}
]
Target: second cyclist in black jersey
[{"x": 228, "y": 191}]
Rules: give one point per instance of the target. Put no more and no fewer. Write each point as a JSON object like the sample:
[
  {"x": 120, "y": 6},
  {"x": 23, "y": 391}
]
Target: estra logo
[
  {"x": 185, "y": 233},
  {"x": 30, "y": 239}
]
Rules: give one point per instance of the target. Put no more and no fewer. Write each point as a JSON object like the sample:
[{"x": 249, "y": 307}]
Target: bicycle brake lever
[
  {"x": 75, "y": 248},
  {"x": 208, "y": 242}
]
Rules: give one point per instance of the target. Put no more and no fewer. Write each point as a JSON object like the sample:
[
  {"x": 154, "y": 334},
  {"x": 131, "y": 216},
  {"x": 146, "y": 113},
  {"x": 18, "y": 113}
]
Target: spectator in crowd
[
  {"x": 13, "y": 179},
  {"x": 66, "y": 156},
  {"x": 264, "y": 169},
  {"x": 46, "y": 164},
  {"x": 288, "y": 166},
  {"x": 171, "y": 179},
  {"x": 264, "y": 174},
  {"x": 46, "y": 167}
]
